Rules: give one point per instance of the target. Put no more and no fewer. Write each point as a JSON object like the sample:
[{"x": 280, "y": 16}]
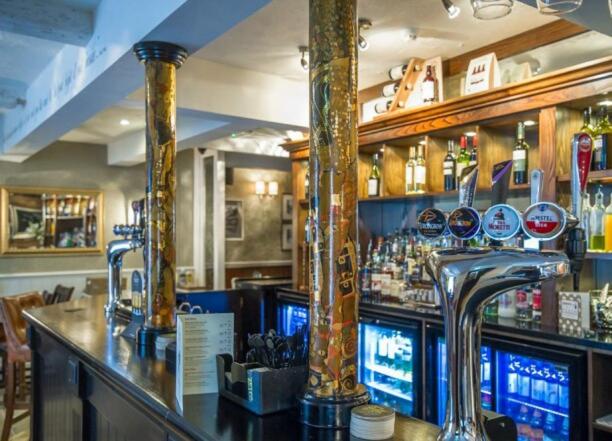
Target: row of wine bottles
[{"x": 455, "y": 161}]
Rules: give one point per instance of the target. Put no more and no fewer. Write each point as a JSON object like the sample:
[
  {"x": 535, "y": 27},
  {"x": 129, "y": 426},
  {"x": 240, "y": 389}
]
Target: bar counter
[{"x": 90, "y": 383}]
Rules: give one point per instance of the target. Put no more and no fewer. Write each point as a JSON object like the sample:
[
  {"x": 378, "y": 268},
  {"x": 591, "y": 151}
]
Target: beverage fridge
[
  {"x": 291, "y": 312},
  {"x": 541, "y": 388},
  {"x": 389, "y": 363}
]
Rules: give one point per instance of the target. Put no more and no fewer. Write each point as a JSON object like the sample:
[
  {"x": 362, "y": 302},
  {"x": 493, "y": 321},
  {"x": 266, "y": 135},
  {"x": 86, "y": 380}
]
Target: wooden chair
[
  {"x": 62, "y": 293},
  {"x": 17, "y": 355}
]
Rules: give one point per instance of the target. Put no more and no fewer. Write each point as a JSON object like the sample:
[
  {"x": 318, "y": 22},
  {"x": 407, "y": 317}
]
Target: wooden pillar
[
  {"x": 334, "y": 295},
  {"x": 161, "y": 61}
]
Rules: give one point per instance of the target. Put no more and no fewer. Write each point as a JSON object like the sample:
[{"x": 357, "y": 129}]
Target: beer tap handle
[
  {"x": 576, "y": 243},
  {"x": 537, "y": 183}
]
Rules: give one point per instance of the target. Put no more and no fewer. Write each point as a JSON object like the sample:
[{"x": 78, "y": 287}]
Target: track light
[
  {"x": 452, "y": 9},
  {"x": 364, "y": 24},
  {"x": 303, "y": 61}
]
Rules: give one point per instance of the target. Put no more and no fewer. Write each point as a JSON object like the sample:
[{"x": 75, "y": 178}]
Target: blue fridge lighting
[
  {"x": 387, "y": 369},
  {"x": 535, "y": 393},
  {"x": 292, "y": 318}
]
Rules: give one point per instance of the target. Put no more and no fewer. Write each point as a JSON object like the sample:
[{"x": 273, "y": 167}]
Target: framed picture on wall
[
  {"x": 234, "y": 220},
  {"x": 287, "y": 207},
  {"x": 286, "y": 237}
]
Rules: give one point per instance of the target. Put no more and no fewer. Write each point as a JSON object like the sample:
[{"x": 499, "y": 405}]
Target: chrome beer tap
[
  {"x": 467, "y": 278},
  {"x": 115, "y": 250}
]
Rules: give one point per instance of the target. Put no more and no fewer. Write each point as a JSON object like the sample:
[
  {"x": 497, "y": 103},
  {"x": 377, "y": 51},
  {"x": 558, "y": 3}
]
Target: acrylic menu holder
[{"x": 199, "y": 338}]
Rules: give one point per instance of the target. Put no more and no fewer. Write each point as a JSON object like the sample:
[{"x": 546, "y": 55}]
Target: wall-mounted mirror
[{"x": 50, "y": 221}]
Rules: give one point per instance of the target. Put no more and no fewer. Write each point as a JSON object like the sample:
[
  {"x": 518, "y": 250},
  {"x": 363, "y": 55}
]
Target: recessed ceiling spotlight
[
  {"x": 124, "y": 122},
  {"x": 529, "y": 123},
  {"x": 452, "y": 9},
  {"x": 364, "y": 24},
  {"x": 409, "y": 34},
  {"x": 303, "y": 60},
  {"x": 605, "y": 103},
  {"x": 470, "y": 134}
]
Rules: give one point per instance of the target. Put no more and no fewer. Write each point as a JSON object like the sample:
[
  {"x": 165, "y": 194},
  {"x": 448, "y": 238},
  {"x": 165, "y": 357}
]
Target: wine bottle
[
  {"x": 598, "y": 212},
  {"x": 474, "y": 151},
  {"x": 397, "y": 72},
  {"x": 420, "y": 171},
  {"x": 587, "y": 126},
  {"x": 450, "y": 168},
  {"x": 390, "y": 89},
  {"x": 374, "y": 179},
  {"x": 428, "y": 86},
  {"x": 600, "y": 141},
  {"x": 520, "y": 159},
  {"x": 463, "y": 159},
  {"x": 409, "y": 173},
  {"x": 382, "y": 106}
]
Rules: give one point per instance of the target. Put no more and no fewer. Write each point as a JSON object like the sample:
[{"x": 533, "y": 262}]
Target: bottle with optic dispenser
[
  {"x": 597, "y": 225},
  {"x": 585, "y": 222},
  {"x": 608, "y": 226}
]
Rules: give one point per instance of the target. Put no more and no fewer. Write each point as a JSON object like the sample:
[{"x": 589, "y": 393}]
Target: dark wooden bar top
[{"x": 80, "y": 327}]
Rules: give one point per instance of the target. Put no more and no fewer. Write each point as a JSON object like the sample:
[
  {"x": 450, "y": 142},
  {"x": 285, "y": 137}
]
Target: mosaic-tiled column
[
  {"x": 332, "y": 388},
  {"x": 161, "y": 61}
]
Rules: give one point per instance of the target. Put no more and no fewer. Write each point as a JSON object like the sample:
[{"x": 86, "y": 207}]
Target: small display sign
[
  {"x": 464, "y": 223},
  {"x": 501, "y": 222},
  {"x": 544, "y": 221},
  {"x": 431, "y": 223}
]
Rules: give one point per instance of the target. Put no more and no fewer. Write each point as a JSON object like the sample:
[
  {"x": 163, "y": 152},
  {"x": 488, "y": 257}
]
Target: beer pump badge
[
  {"x": 431, "y": 223},
  {"x": 464, "y": 223},
  {"x": 544, "y": 221},
  {"x": 501, "y": 222}
]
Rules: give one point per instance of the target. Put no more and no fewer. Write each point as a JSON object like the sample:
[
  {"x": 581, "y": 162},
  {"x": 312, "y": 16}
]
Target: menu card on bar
[{"x": 199, "y": 338}]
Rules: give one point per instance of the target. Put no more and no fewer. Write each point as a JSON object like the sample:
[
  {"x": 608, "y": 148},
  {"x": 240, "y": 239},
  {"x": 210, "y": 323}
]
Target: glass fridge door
[
  {"x": 486, "y": 390},
  {"x": 291, "y": 316},
  {"x": 535, "y": 393},
  {"x": 388, "y": 357}
]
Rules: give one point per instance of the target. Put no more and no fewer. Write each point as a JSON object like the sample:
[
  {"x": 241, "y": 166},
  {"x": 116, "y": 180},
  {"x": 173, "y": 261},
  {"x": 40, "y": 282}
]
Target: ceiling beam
[
  {"x": 81, "y": 82},
  {"x": 12, "y": 93},
  {"x": 47, "y": 20}
]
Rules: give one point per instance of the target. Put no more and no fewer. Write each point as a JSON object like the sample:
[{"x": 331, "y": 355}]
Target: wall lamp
[
  {"x": 266, "y": 189},
  {"x": 452, "y": 9}
]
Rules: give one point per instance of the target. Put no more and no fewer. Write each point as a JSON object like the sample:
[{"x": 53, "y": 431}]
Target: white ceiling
[{"x": 268, "y": 40}]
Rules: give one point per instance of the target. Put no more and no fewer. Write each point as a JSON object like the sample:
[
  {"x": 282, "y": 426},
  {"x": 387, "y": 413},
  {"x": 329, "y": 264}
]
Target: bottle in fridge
[{"x": 388, "y": 356}]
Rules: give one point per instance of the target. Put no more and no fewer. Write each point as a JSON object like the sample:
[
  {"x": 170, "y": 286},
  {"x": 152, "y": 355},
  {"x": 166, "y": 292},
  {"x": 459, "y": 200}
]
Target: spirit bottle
[
  {"x": 410, "y": 168},
  {"x": 397, "y": 72},
  {"x": 585, "y": 222},
  {"x": 608, "y": 226},
  {"x": 374, "y": 179},
  {"x": 463, "y": 159},
  {"x": 428, "y": 86},
  {"x": 520, "y": 159},
  {"x": 600, "y": 141},
  {"x": 587, "y": 126},
  {"x": 450, "y": 168},
  {"x": 420, "y": 172},
  {"x": 474, "y": 151},
  {"x": 597, "y": 222}
]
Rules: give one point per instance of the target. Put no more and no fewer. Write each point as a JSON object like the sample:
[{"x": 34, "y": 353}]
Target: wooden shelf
[
  {"x": 598, "y": 255},
  {"x": 601, "y": 176},
  {"x": 437, "y": 194}
]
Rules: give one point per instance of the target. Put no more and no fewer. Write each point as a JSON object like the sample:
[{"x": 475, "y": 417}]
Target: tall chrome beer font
[
  {"x": 468, "y": 278},
  {"x": 161, "y": 61},
  {"x": 332, "y": 388}
]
